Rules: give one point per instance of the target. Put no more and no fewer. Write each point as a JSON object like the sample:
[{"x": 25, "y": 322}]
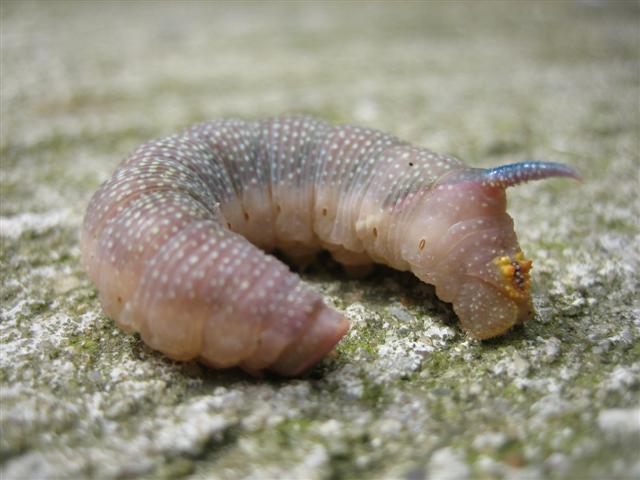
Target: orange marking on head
[{"x": 515, "y": 275}]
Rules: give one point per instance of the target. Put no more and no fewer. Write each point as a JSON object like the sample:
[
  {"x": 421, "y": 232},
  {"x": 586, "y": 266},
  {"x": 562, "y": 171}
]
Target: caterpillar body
[{"x": 175, "y": 241}]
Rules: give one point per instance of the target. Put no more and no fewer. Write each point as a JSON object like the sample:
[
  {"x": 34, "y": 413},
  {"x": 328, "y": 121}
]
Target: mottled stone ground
[{"x": 407, "y": 395}]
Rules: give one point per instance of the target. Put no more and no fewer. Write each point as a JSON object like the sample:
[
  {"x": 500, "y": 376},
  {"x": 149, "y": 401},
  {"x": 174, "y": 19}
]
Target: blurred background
[
  {"x": 483, "y": 80},
  {"x": 83, "y": 83}
]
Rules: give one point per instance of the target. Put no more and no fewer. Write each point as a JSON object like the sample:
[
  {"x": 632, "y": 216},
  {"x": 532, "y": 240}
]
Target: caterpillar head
[{"x": 496, "y": 297}]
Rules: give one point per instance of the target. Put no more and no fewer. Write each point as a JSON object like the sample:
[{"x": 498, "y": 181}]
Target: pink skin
[
  {"x": 458, "y": 232},
  {"x": 454, "y": 235},
  {"x": 194, "y": 321},
  {"x": 167, "y": 239}
]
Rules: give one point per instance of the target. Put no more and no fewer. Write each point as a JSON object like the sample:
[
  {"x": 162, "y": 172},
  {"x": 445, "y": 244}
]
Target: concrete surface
[{"x": 406, "y": 395}]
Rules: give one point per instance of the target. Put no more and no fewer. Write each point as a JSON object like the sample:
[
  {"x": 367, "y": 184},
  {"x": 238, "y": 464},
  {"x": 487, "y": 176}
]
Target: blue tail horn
[{"x": 515, "y": 173}]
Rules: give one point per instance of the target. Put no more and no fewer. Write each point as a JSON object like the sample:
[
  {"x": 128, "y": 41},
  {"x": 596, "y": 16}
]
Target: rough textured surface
[{"x": 406, "y": 395}]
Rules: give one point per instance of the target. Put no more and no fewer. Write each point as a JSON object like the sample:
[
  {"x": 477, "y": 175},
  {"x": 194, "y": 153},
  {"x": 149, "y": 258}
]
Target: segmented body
[{"x": 175, "y": 240}]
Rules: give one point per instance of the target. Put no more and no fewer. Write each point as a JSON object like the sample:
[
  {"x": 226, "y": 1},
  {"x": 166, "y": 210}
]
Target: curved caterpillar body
[{"x": 174, "y": 240}]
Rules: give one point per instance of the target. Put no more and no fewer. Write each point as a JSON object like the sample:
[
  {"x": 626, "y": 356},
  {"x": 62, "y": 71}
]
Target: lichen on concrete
[{"x": 406, "y": 394}]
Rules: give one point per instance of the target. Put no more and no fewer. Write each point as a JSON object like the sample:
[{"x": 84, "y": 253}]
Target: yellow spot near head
[
  {"x": 515, "y": 275},
  {"x": 508, "y": 270}
]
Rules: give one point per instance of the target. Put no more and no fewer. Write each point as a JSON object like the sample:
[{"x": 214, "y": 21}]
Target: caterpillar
[{"x": 176, "y": 240}]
